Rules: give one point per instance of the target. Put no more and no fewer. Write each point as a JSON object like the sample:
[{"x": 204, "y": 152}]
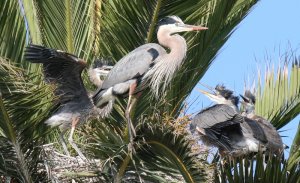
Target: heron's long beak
[
  {"x": 211, "y": 96},
  {"x": 194, "y": 27},
  {"x": 208, "y": 87},
  {"x": 219, "y": 99}
]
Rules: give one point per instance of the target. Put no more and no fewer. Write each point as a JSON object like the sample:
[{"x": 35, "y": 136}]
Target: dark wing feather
[
  {"x": 218, "y": 123},
  {"x": 252, "y": 129},
  {"x": 61, "y": 68},
  {"x": 133, "y": 65},
  {"x": 220, "y": 115},
  {"x": 275, "y": 143}
]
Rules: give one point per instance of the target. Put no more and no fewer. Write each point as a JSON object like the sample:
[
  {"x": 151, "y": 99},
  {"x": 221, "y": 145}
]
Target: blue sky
[{"x": 271, "y": 28}]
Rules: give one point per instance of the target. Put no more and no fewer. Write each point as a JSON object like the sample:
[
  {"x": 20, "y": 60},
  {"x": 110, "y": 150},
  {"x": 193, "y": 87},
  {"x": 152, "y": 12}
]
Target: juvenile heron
[
  {"x": 99, "y": 70},
  {"x": 148, "y": 65},
  {"x": 274, "y": 143},
  {"x": 64, "y": 70},
  {"x": 223, "y": 126}
]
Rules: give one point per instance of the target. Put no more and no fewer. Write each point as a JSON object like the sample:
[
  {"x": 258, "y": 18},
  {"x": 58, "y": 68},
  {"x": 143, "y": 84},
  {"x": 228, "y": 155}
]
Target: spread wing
[
  {"x": 219, "y": 115},
  {"x": 60, "y": 68},
  {"x": 217, "y": 123},
  {"x": 133, "y": 65}
]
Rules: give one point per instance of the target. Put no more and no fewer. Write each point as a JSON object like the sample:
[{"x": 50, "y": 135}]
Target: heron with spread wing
[
  {"x": 224, "y": 127},
  {"x": 64, "y": 70}
]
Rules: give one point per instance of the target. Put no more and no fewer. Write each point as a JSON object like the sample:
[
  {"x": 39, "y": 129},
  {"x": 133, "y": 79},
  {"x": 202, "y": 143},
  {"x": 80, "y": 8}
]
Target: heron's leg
[
  {"x": 131, "y": 129},
  {"x": 74, "y": 123},
  {"x": 63, "y": 142}
]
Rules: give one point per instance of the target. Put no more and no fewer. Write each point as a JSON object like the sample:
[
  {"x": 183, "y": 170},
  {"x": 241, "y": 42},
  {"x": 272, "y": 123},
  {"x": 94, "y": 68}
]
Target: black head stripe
[{"x": 168, "y": 20}]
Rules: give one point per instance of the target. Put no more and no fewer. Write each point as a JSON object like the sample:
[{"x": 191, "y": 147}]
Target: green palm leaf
[
  {"x": 160, "y": 152},
  {"x": 255, "y": 169},
  {"x": 282, "y": 87},
  {"x": 23, "y": 106},
  {"x": 12, "y": 31},
  {"x": 66, "y": 25}
]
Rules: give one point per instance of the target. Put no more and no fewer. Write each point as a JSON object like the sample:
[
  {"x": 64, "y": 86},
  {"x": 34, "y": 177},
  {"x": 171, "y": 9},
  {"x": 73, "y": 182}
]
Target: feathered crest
[
  {"x": 221, "y": 90},
  {"x": 250, "y": 96},
  {"x": 227, "y": 94}
]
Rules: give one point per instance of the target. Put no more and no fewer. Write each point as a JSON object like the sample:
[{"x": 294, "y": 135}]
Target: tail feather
[
  {"x": 102, "y": 97},
  {"x": 105, "y": 110}
]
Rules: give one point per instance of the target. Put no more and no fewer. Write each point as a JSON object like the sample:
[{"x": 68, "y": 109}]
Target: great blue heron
[
  {"x": 148, "y": 65},
  {"x": 223, "y": 126},
  {"x": 64, "y": 70},
  {"x": 274, "y": 143}
]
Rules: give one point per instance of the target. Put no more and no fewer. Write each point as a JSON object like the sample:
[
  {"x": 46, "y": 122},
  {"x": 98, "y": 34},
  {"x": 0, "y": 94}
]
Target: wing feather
[
  {"x": 133, "y": 65},
  {"x": 60, "y": 68},
  {"x": 219, "y": 115}
]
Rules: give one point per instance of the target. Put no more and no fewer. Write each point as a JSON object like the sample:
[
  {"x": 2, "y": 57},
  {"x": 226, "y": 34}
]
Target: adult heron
[
  {"x": 64, "y": 70},
  {"x": 148, "y": 65},
  {"x": 223, "y": 126},
  {"x": 274, "y": 143}
]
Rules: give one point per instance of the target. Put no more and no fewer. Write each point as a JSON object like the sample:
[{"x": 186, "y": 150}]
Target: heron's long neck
[
  {"x": 175, "y": 43},
  {"x": 166, "y": 64}
]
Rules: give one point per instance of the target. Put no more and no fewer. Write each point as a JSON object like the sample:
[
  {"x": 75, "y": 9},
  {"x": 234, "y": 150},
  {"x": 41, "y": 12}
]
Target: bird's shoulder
[{"x": 147, "y": 52}]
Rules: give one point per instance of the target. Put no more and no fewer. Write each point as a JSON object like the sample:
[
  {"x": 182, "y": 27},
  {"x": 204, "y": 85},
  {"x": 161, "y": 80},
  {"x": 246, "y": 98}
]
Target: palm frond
[
  {"x": 65, "y": 25},
  {"x": 23, "y": 108},
  {"x": 277, "y": 99},
  {"x": 12, "y": 31},
  {"x": 33, "y": 24},
  {"x": 294, "y": 156},
  {"x": 256, "y": 169},
  {"x": 161, "y": 152},
  {"x": 171, "y": 152}
]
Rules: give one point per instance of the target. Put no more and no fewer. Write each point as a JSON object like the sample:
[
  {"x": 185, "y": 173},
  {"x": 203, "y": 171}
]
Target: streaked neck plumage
[
  {"x": 174, "y": 42},
  {"x": 166, "y": 65}
]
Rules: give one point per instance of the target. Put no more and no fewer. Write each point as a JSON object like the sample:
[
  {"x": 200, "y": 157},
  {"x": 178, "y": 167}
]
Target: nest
[{"x": 61, "y": 168}]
